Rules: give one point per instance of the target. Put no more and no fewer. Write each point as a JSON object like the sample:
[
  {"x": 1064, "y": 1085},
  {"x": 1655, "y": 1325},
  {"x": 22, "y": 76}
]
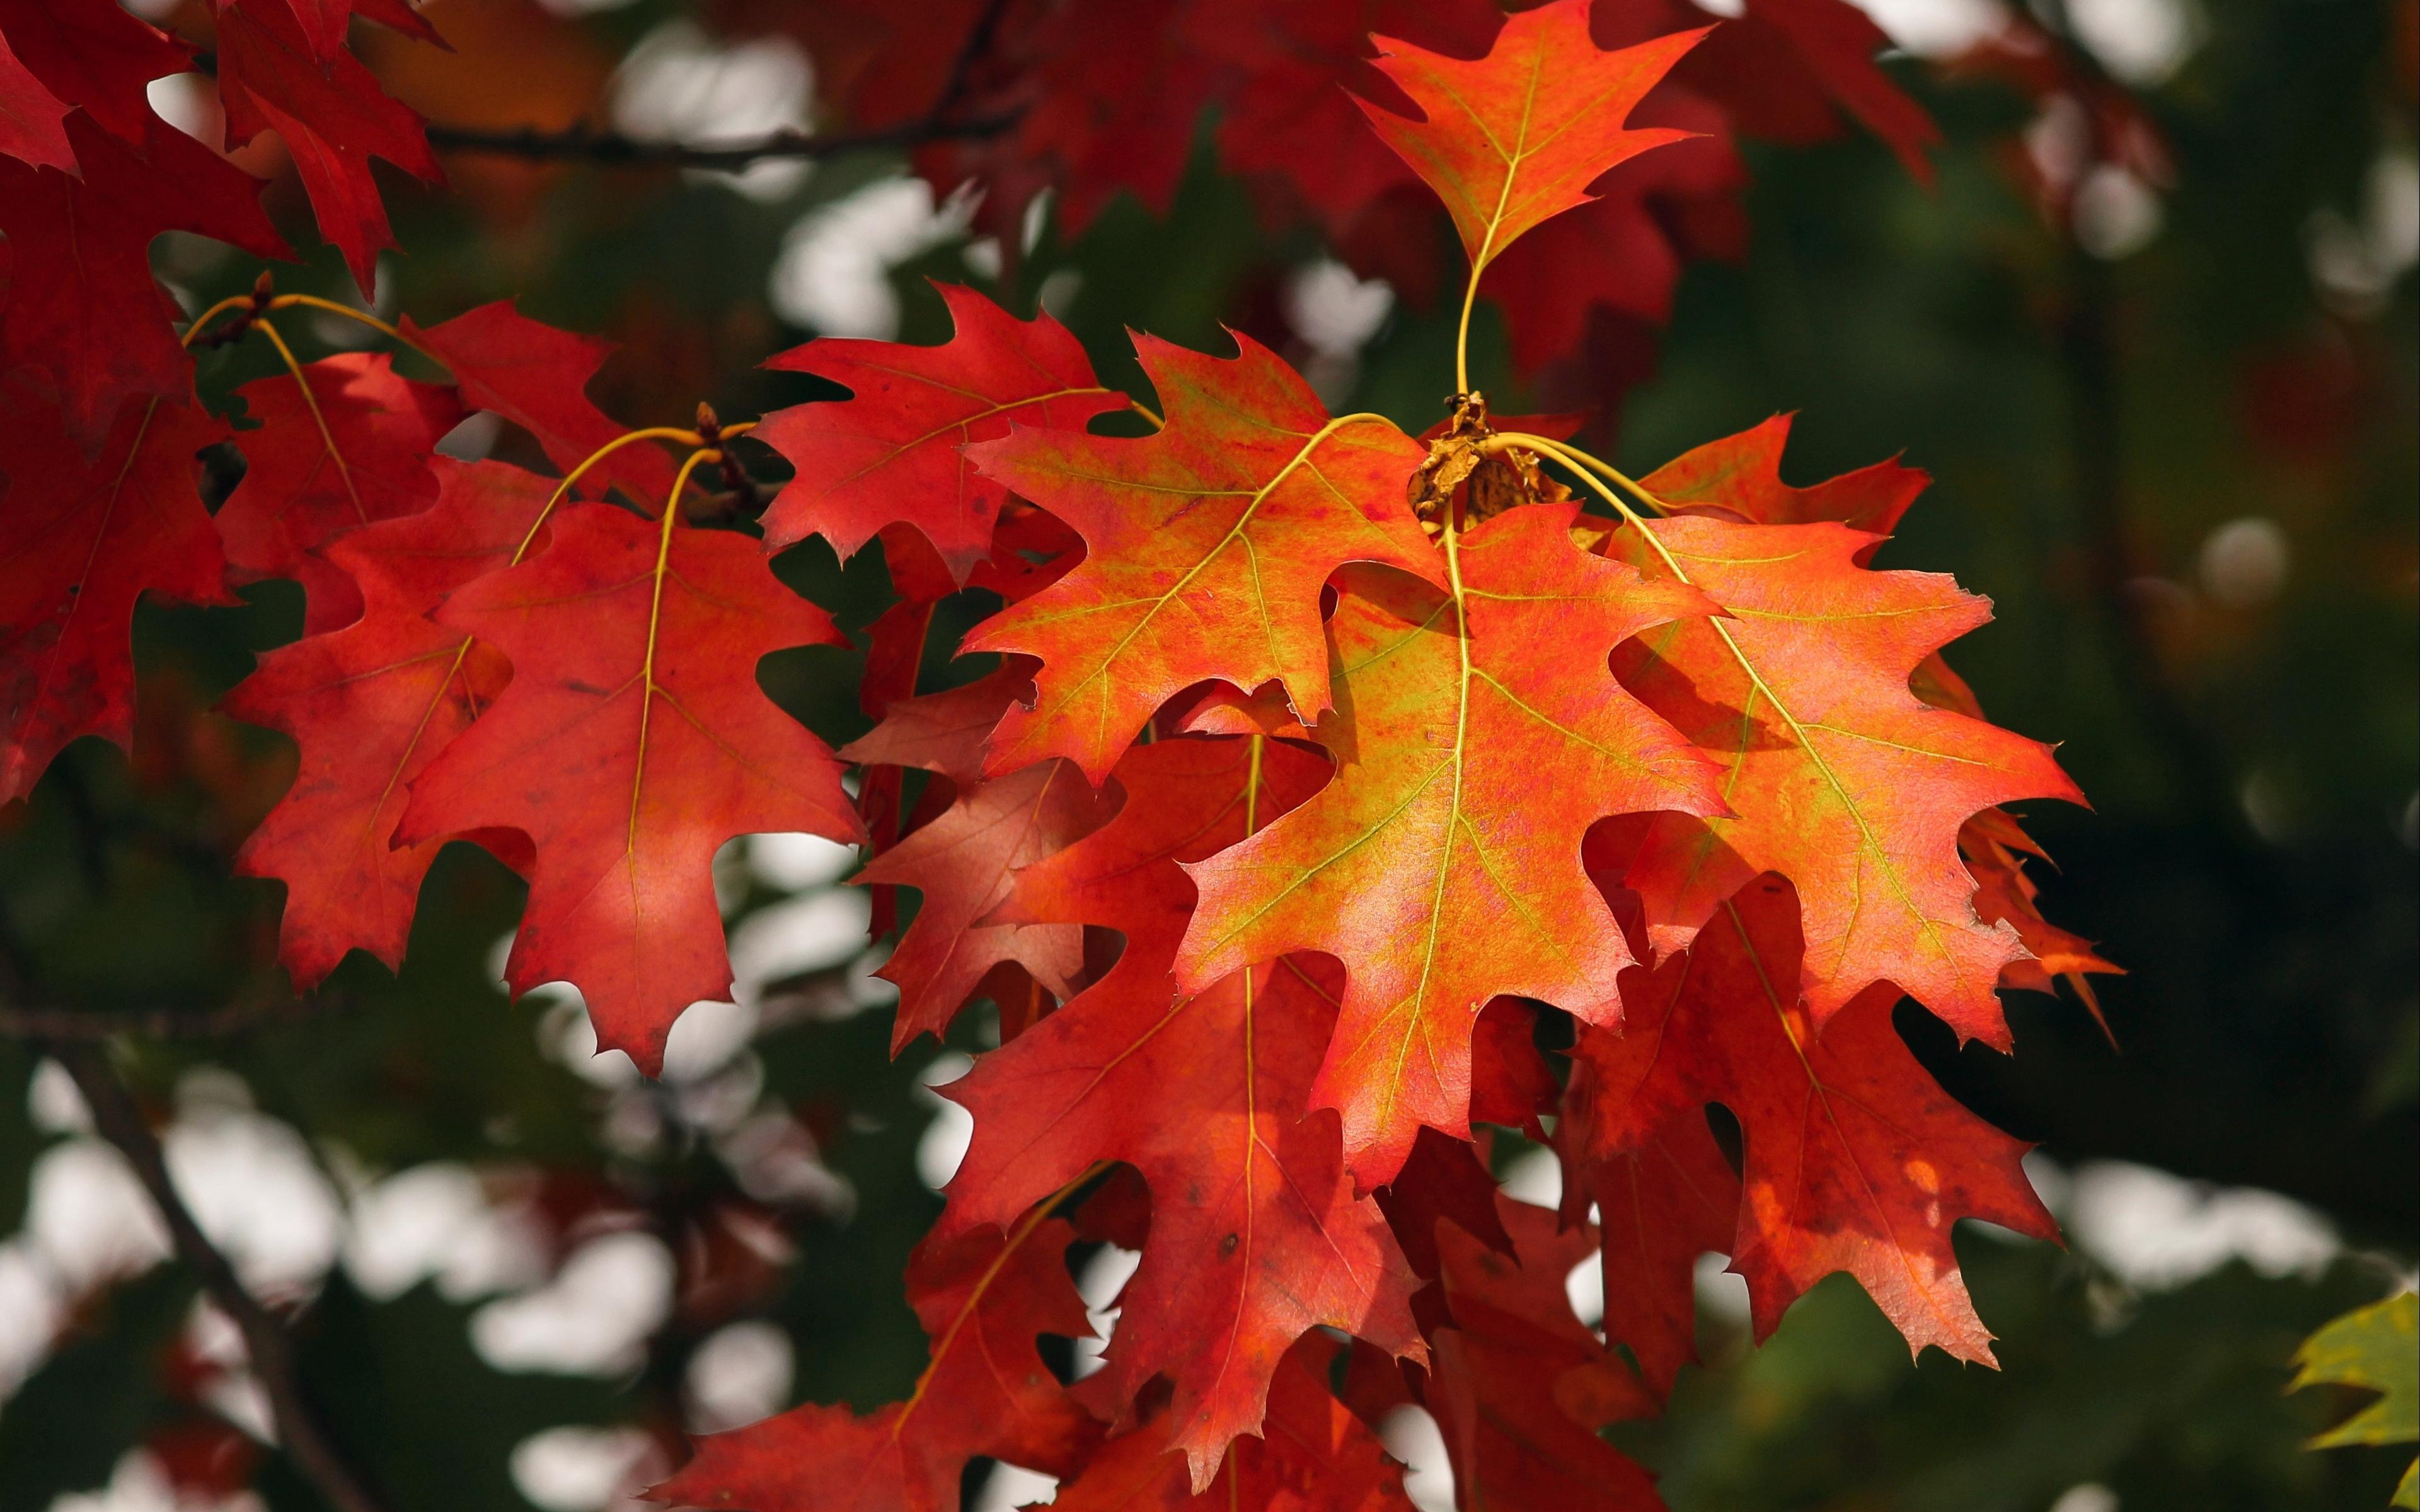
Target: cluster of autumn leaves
[
  {"x": 1368, "y": 781},
  {"x": 1358, "y": 784}
]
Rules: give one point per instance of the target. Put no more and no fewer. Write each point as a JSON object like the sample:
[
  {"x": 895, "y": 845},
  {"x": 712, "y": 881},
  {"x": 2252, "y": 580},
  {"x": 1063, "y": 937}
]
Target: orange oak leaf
[
  {"x": 982, "y": 1298},
  {"x": 33, "y": 120},
  {"x": 1520, "y": 1386},
  {"x": 352, "y": 449},
  {"x": 1104, "y": 97},
  {"x": 333, "y": 116},
  {"x": 965, "y": 861},
  {"x": 632, "y": 741},
  {"x": 1208, "y": 544},
  {"x": 1839, "y": 776},
  {"x": 90, "y": 535},
  {"x": 1517, "y": 136},
  {"x": 370, "y": 705},
  {"x": 1256, "y": 1236},
  {"x": 1478, "y": 734},
  {"x": 1995, "y": 848},
  {"x": 1856, "y": 1159},
  {"x": 1313, "y": 1455},
  {"x": 890, "y": 453},
  {"x": 537, "y": 376},
  {"x": 1741, "y": 476},
  {"x": 82, "y": 304}
]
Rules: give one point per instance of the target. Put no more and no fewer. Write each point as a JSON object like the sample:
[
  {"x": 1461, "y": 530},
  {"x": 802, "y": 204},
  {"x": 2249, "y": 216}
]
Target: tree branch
[
  {"x": 585, "y": 144},
  {"x": 86, "y": 1026},
  {"x": 300, "y": 1434}
]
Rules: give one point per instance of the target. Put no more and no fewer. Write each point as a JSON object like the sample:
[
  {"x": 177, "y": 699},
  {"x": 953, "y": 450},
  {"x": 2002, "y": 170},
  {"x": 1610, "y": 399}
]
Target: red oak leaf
[
  {"x": 891, "y": 452},
  {"x": 1623, "y": 251},
  {"x": 632, "y": 741},
  {"x": 1032, "y": 549},
  {"x": 1444, "y": 1180},
  {"x": 1781, "y": 66},
  {"x": 895, "y": 657},
  {"x": 1785, "y": 70},
  {"x": 353, "y": 450},
  {"x": 1839, "y": 776},
  {"x": 90, "y": 534},
  {"x": 1294, "y": 63},
  {"x": 1476, "y": 735},
  {"x": 944, "y": 731},
  {"x": 1313, "y": 1455},
  {"x": 889, "y": 59},
  {"x": 370, "y": 706},
  {"x": 1855, "y": 1160},
  {"x": 1256, "y": 1236},
  {"x": 1517, "y": 136},
  {"x": 82, "y": 306},
  {"x": 963, "y": 864},
  {"x": 965, "y": 861},
  {"x": 333, "y": 116},
  {"x": 1663, "y": 1197},
  {"x": 1029, "y": 551},
  {"x": 1208, "y": 544},
  {"x": 323, "y": 22},
  {"x": 93, "y": 56},
  {"x": 1509, "y": 1081},
  {"x": 487, "y": 515},
  {"x": 1520, "y": 1385},
  {"x": 982, "y": 1299},
  {"x": 33, "y": 120},
  {"x": 537, "y": 376},
  {"x": 1101, "y": 97}
]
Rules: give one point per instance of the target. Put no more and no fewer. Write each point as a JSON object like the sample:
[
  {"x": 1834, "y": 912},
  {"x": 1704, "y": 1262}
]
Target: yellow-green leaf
[{"x": 2376, "y": 1348}]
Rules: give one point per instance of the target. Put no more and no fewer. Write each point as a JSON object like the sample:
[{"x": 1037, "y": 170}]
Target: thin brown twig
[
  {"x": 300, "y": 1433},
  {"x": 586, "y": 143},
  {"x": 87, "y": 1026}
]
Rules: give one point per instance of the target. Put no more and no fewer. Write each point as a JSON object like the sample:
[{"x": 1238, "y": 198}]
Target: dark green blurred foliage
[
  {"x": 2166, "y": 1400},
  {"x": 2089, "y": 424}
]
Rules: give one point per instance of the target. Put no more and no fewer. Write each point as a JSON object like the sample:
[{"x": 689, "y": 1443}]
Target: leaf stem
[
  {"x": 312, "y": 301},
  {"x": 1588, "y": 467},
  {"x": 318, "y": 418},
  {"x": 651, "y": 433},
  {"x": 1462, "y": 333},
  {"x": 202, "y": 321}
]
